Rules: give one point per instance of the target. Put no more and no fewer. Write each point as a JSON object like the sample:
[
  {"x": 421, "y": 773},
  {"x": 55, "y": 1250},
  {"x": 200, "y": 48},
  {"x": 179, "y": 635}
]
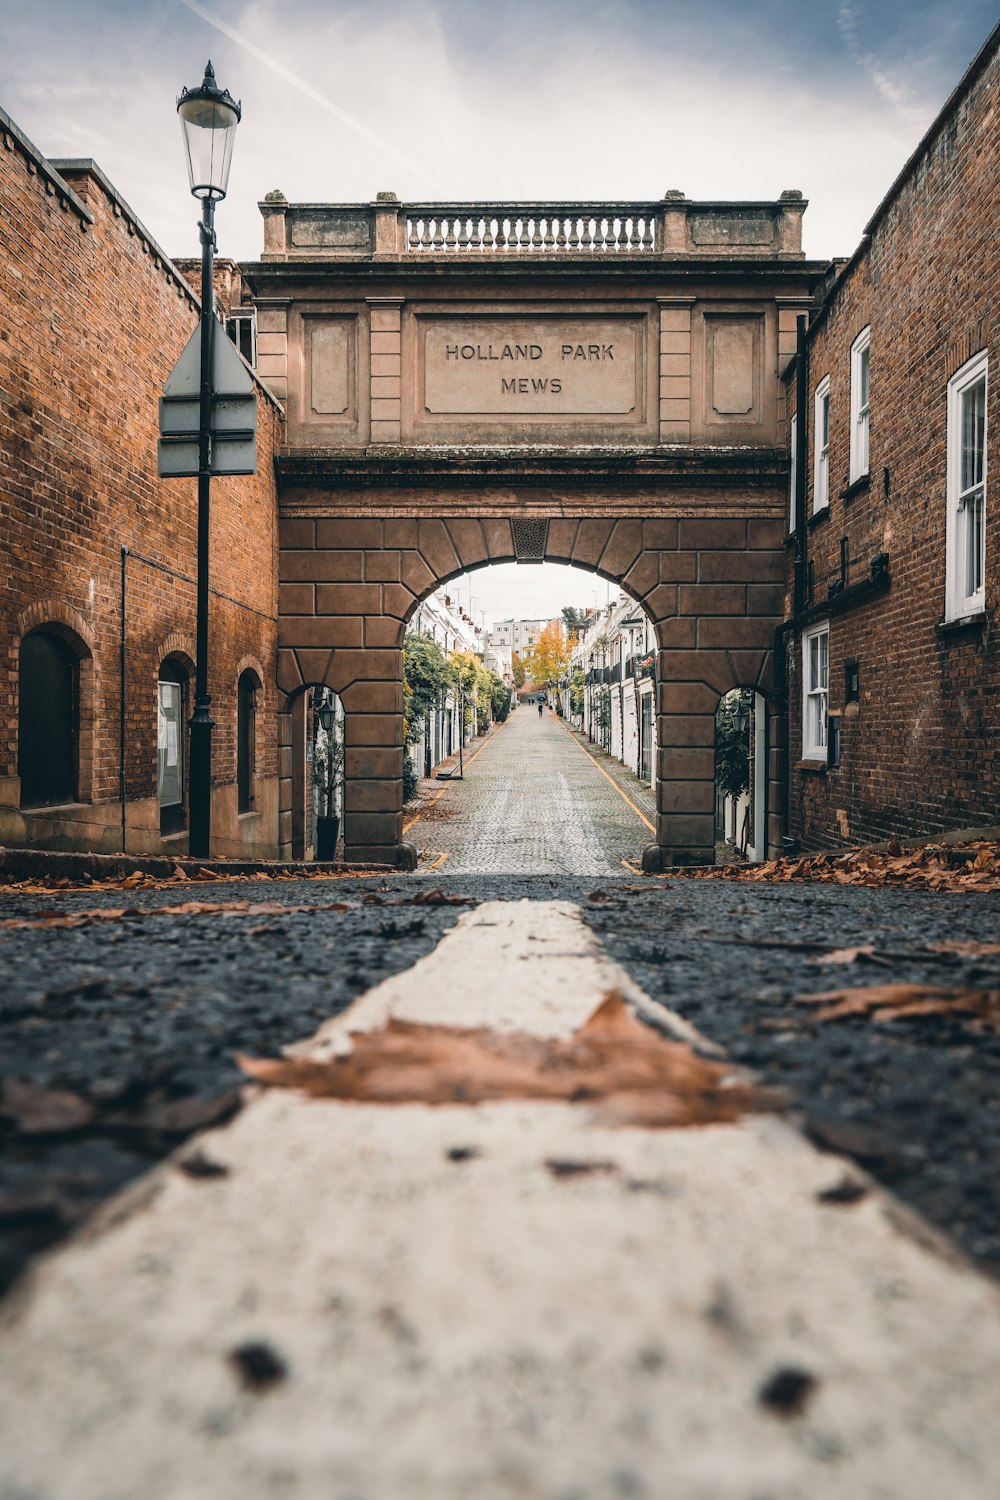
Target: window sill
[
  {"x": 963, "y": 622},
  {"x": 251, "y": 812},
  {"x": 53, "y": 809},
  {"x": 856, "y": 487},
  {"x": 823, "y": 514},
  {"x": 813, "y": 767}
]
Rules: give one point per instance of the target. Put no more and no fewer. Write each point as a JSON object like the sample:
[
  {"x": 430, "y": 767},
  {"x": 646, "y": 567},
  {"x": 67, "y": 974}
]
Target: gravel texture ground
[{"x": 137, "y": 1018}]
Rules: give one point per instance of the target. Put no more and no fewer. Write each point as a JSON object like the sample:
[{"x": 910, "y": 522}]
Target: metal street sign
[{"x": 233, "y": 448}]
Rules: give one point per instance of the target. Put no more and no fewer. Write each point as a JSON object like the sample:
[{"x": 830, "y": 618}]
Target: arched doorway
[
  {"x": 711, "y": 585},
  {"x": 741, "y": 780}
]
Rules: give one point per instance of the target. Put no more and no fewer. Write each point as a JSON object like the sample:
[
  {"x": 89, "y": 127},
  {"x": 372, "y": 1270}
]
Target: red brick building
[
  {"x": 97, "y": 616},
  {"x": 892, "y": 667}
]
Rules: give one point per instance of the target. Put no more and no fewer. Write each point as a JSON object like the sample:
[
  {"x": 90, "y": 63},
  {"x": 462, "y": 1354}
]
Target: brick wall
[
  {"x": 920, "y": 749},
  {"x": 92, "y": 318}
]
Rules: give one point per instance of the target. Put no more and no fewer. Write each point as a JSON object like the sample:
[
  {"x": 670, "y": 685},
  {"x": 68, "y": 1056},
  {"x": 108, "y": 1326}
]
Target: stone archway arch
[{"x": 712, "y": 586}]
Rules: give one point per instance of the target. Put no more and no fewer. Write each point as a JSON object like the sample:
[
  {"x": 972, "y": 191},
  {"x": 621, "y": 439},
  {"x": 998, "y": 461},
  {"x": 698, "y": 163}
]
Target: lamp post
[{"x": 209, "y": 117}]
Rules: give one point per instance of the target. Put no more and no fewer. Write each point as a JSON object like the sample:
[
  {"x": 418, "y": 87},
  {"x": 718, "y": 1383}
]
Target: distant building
[{"x": 518, "y": 635}]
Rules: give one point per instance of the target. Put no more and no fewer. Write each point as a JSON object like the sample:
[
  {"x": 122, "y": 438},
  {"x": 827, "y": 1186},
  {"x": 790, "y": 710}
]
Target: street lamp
[
  {"x": 209, "y": 117},
  {"x": 741, "y": 718}
]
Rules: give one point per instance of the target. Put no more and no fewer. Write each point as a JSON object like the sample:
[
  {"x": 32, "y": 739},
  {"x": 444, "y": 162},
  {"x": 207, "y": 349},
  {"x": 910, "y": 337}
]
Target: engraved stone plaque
[
  {"x": 541, "y": 367},
  {"x": 330, "y": 346}
]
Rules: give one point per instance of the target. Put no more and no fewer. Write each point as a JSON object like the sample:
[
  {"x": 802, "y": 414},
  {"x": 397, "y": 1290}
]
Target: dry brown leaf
[
  {"x": 179, "y": 909},
  {"x": 863, "y": 954},
  {"x": 967, "y": 950},
  {"x": 890, "y": 1002},
  {"x": 973, "y": 866},
  {"x": 637, "y": 1075}
]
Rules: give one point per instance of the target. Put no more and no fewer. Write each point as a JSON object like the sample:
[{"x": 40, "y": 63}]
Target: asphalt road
[{"x": 128, "y": 1026}]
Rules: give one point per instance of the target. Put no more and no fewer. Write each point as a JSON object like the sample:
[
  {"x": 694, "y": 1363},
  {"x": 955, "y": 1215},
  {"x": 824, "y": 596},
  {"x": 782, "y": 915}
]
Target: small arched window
[
  {"x": 48, "y": 715},
  {"x": 246, "y": 740},
  {"x": 170, "y": 715}
]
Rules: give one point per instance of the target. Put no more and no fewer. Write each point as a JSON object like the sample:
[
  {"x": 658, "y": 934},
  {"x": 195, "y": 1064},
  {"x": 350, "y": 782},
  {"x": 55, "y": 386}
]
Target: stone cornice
[
  {"x": 662, "y": 270},
  {"x": 604, "y": 469}
]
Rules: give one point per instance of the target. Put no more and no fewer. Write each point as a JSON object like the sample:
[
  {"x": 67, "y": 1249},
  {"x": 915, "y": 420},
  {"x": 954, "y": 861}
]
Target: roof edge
[{"x": 48, "y": 169}]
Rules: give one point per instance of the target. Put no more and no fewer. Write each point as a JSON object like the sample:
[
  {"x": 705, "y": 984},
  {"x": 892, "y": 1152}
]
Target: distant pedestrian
[{"x": 540, "y": 707}]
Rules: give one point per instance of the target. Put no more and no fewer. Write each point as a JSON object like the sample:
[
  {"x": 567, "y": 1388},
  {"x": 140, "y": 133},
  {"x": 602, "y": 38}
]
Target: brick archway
[{"x": 711, "y": 585}]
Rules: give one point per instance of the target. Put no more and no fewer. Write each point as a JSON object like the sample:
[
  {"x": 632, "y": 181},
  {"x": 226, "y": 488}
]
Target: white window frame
[
  {"x": 821, "y": 445},
  {"x": 960, "y": 599},
  {"x": 815, "y": 693},
  {"x": 860, "y": 405},
  {"x": 793, "y": 456}
]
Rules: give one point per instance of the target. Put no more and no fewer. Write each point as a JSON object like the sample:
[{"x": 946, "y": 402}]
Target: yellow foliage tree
[{"x": 548, "y": 658}]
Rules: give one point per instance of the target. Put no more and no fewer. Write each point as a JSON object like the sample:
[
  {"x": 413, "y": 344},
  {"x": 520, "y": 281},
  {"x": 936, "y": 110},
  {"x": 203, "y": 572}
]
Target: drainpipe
[
  {"x": 801, "y": 461},
  {"x": 800, "y": 559},
  {"x": 121, "y": 709}
]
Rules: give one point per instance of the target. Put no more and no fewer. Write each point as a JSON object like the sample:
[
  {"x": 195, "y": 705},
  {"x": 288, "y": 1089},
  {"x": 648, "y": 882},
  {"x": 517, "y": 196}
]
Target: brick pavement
[{"x": 533, "y": 802}]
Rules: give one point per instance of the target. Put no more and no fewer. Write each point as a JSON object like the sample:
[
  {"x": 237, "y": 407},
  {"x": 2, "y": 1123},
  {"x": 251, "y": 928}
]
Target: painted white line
[
  {"x": 480, "y": 1328},
  {"x": 529, "y": 966}
]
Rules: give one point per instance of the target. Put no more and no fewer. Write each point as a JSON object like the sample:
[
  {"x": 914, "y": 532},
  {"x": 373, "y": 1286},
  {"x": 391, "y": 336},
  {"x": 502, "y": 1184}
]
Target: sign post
[{"x": 208, "y": 426}]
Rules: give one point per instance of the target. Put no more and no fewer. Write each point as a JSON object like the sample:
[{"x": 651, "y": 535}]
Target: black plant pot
[{"x": 327, "y": 833}]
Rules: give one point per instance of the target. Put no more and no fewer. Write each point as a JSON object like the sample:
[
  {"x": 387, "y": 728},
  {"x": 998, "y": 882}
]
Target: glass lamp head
[{"x": 209, "y": 117}]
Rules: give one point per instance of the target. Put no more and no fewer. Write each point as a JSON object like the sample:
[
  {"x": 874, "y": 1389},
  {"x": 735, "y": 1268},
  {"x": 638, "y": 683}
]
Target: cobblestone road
[{"x": 533, "y": 802}]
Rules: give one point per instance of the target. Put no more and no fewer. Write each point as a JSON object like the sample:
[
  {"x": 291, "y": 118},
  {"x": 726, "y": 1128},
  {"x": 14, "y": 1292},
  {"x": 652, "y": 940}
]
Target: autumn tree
[
  {"x": 517, "y": 666},
  {"x": 548, "y": 659}
]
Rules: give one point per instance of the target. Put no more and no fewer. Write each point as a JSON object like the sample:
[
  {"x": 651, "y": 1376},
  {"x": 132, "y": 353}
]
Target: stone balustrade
[
  {"x": 537, "y": 229},
  {"x": 673, "y": 227}
]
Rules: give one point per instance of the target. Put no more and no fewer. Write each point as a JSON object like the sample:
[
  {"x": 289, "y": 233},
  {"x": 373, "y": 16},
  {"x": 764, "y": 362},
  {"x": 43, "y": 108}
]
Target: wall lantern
[
  {"x": 741, "y": 719},
  {"x": 327, "y": 716},
  {"x": 209, "y": 117}
]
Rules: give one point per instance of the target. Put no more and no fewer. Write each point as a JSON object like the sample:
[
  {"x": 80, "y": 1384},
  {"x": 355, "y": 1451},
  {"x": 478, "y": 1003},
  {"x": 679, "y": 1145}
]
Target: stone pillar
[
  {"x": 273, "y": 211},
  {"x": 272, "y": 346},
  {"x": 373, "y": 772},
  {"x": 386, "y": 368},
  {"x": 793, "y": 207},
  {"x": 685, "y": 748},
  {"x": 675, "y": 369},
  {"x": 390, "y": 227}
]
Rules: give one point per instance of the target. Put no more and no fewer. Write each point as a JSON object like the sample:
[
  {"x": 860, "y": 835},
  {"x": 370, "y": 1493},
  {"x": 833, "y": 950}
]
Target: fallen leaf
[
  {"x": 974, "y": 865},
  {"x": 439, "y": 897},
  {"x": 890, "y": 1002},
  {"x": 863, "y": 954},
  {"x": 967, "y": 950},
  {"x": 637, "y": 1075}
]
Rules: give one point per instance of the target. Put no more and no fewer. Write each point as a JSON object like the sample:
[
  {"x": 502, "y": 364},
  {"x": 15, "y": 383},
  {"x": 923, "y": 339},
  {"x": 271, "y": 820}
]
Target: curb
[{"x": 22, "y": 864}]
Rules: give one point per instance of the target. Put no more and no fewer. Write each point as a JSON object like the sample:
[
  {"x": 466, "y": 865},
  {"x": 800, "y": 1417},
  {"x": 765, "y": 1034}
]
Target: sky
[
  {"x": 527, "y": 591},
  {"x": 494, "y": 99}
]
